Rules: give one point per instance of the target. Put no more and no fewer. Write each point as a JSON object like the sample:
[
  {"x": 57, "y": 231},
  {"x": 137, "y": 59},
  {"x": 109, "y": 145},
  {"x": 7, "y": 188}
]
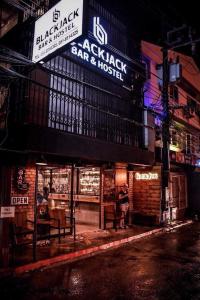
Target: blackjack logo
[{"x": 56, "y": 15}]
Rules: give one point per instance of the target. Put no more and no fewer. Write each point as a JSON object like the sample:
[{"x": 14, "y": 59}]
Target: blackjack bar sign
[{"x": 59, "y": 26}]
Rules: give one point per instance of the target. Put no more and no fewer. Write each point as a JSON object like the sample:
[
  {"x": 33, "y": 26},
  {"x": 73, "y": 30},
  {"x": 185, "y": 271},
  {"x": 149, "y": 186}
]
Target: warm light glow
[
  {"x": 174, "y": 148},
  {"x": 146, "y": 176},
  {"x": 41, "y": 164}
]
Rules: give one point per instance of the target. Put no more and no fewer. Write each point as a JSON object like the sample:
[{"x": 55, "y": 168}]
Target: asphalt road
[{"x": 164, "y": 267}]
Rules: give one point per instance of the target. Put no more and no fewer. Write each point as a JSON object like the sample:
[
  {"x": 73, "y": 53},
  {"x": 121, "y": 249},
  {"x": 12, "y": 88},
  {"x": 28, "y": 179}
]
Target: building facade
[
  {"x": 184, "y": 93},
  {"x": 74, "y": 124}
]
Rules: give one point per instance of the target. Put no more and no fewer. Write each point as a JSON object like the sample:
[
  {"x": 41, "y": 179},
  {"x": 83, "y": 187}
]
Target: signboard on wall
[
  {"x": 146, "y": 176},
  {"x": 21, "y": 183},
  {"x": 19, "y": 200},
  {"x": 96, "y": 52},
  {"x": 7, "y": 212},
  {"x": 58, "y": 27}
]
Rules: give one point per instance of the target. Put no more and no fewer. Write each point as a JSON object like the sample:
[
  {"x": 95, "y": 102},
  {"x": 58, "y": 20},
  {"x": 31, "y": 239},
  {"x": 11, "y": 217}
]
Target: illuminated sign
[
  {"x": 58, "y": 27},
  {"x": 146, "y": 176},
  {"x": 99, "y": 32},
  {"x": 99, "y": 57}
]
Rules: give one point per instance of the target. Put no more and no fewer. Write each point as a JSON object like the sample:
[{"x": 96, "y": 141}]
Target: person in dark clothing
[{"x": 123, "y": 204}]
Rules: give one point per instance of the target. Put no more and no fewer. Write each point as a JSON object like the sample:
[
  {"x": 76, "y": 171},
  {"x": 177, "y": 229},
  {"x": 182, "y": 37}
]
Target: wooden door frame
[{"x": 174, "y": 174}]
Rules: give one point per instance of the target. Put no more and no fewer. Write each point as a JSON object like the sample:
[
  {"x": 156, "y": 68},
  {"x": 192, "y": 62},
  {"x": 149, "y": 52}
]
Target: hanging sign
[
  {"x": 59, "y": 26},
  {"x": 19, "y": 200}
]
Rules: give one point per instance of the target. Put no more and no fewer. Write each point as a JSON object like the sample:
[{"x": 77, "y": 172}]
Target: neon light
[
  {"x": 97, "y": 56},
  {"x": 99, "y": 33}
]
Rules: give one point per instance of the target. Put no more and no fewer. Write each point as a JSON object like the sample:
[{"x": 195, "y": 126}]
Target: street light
[{"x": 41, "y": 161}]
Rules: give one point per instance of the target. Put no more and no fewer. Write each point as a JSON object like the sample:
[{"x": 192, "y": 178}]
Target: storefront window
[
  {"x": 57, "y": 180},
  {"x": 54, "y": 185},
  {"x": 43, "y": 179},
  {"x": 89, "y": 181},
  {"x": 61, "y": 181}
]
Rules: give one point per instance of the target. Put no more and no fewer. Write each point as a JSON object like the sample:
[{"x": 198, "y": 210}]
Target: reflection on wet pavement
[{"x": 163, "y": 267}]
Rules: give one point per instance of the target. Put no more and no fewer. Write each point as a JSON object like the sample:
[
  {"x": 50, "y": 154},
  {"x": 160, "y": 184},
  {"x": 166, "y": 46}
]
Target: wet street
[{"x": 164, "y": 267}]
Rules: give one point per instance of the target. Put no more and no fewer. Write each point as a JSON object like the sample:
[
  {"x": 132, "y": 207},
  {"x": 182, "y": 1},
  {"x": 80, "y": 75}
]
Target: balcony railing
[{"x": 35, "y": 104}]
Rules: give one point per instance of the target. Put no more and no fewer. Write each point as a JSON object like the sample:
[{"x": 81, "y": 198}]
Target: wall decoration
[{"x": 21, "y": 183}]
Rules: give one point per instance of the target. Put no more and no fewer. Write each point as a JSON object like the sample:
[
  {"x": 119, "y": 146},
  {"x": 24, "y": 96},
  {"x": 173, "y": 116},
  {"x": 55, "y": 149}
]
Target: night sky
[{"x": 152, "y": 18}]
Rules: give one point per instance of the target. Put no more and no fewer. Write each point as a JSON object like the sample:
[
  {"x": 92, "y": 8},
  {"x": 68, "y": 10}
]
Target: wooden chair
[
  {"x": 111, "y": 214},
  {"x": 20, "y": 233},
  {"x": 61, "y": 222}
]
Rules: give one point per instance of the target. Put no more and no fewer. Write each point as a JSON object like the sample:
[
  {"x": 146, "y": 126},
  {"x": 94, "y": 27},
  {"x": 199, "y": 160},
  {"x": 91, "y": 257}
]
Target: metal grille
[{"x": 65, "y": 95}]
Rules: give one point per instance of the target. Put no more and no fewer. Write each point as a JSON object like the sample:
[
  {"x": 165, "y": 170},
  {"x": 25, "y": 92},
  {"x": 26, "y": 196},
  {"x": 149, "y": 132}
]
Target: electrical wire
[
  {"x": 83, "y": 101},
  {"x": 154, "y": 89}
]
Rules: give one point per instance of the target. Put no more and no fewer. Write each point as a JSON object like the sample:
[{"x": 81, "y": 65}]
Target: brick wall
[
  {"x": 30, "y": 178},
  {"x": 146, "y": 194}
]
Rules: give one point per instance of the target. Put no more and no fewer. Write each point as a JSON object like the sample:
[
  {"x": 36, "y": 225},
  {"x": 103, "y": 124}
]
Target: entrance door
[
  {"x": 175, "y": 191},
  {"x": 178, "y": 195},
  {"x": 87, "y": 198},
  {"x": 74, "y": 190}
]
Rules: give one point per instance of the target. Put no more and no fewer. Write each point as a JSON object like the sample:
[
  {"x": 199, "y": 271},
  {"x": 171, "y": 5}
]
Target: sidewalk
[{"x": 86, "y": 244}]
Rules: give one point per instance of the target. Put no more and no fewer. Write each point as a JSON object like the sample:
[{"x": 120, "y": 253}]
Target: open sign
[{"x": 19, "y": 200}]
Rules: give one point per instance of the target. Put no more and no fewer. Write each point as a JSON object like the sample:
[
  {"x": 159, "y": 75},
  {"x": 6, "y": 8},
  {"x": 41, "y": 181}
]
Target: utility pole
[
  {"x": 165, "y": 132},
  {"x": 176, "y": 38}
]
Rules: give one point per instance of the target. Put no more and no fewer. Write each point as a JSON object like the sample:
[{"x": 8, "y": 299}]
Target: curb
[
  {"x": 80, "y": 254},
  {"x": 172, "y": 227}
]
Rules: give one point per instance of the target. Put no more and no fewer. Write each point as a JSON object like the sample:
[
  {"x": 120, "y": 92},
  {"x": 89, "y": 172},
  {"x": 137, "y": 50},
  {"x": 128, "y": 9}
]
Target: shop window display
[
  {"x": 89, "y": 181},
  {"x": 58, "y": 182}
]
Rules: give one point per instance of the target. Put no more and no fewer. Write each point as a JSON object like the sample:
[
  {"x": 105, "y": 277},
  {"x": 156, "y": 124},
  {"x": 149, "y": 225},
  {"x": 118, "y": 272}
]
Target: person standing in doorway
[{"x": 123, "y": 204}]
